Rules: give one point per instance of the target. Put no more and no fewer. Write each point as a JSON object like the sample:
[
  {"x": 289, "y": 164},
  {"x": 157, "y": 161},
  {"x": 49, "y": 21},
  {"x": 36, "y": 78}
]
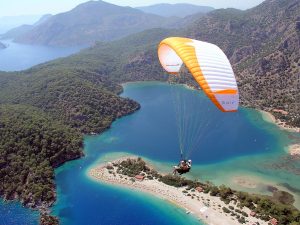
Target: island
[{"x": 219, "y": 205}]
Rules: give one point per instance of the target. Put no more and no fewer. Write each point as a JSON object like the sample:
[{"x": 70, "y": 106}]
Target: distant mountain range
[
  {"x": 93, "y": 21},
  {"x": 179, "y": 10},
  {"x": 9, "y": 22},
  {"x": 101, "y": 21},
  {"x": 16, "y": 32}
]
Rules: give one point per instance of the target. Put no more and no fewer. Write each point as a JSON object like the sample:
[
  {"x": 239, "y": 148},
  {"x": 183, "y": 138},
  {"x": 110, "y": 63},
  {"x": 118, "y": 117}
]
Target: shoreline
[
  {"x": 292, "y": 149},
  {"x": 206, "y": 208},
  {"x": 269, "y": 117}
]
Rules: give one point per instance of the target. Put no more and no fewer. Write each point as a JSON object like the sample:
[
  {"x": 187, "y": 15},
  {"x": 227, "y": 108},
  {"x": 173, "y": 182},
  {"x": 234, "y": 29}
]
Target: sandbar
[{"x": 205, "y": 207}]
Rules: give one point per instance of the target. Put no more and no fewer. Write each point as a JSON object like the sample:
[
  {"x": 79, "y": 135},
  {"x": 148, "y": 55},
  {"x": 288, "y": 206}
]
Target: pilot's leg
[{"x": 175, "y": 171}]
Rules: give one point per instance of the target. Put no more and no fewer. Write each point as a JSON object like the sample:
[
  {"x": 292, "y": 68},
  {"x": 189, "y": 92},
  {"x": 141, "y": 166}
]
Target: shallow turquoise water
[{"x": 240, "y": 145}]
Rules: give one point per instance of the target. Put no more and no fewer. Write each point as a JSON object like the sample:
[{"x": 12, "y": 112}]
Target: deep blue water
[
  {"x": 151, "y": 132},
  {"x": 14, "y": 214},
  {"x": 19, "y": 56}
]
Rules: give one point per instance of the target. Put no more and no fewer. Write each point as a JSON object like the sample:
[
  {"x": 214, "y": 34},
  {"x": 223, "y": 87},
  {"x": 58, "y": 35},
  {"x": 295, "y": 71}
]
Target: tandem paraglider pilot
[
  {"x": 184, "y": 166},
  {"x": 211, "y": 69}
]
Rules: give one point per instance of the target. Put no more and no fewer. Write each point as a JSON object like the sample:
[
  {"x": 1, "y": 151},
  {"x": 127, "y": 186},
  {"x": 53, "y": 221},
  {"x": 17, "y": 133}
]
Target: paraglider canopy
[{"x": 209, "y": 66}]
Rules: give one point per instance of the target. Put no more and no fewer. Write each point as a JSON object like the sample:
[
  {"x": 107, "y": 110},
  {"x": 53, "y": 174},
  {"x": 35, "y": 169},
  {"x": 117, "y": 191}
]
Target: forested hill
[
  {"x": 263, "y": 45},
  {"x": 93, "y": 21},
  {"x": 44, "y": 115},
  {"x": 46, "y": 110},
  {"x": 31, "y": 145}
]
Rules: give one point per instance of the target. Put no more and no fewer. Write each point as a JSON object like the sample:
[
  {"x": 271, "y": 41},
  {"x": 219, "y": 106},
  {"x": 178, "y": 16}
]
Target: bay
[
  {"x": 239, "y": 149},
  {"x": 18, "y": 57}
]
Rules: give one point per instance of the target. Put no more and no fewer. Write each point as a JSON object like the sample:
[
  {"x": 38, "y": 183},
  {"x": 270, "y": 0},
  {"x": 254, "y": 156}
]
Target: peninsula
[{"x": 211, "y": 204}]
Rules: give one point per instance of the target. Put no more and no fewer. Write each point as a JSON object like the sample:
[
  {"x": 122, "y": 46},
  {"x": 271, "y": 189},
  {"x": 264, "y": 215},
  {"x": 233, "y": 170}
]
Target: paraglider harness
[{"x": 184, "y": 166}]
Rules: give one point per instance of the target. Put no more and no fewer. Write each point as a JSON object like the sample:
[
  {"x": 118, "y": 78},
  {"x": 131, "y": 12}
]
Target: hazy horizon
[{"x": 37, "y": 7}]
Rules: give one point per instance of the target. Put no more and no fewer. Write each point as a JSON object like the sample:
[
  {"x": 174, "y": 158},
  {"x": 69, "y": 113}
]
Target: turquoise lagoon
[{"x": 241, "y": 150}]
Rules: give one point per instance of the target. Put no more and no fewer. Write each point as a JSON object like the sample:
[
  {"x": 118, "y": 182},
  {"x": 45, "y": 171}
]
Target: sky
[{"x": 40, "y": 7}]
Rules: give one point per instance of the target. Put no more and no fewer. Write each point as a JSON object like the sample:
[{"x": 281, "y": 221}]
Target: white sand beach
[{"x": 205, "y": 207}]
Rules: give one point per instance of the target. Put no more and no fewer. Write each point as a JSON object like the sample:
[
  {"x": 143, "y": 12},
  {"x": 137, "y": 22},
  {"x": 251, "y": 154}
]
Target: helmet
[{"x": 189, "y": 160}]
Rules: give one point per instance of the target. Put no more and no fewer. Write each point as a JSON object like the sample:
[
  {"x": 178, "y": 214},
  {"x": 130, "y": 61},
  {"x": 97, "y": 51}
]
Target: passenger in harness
[{"x": 184, "y": 166}]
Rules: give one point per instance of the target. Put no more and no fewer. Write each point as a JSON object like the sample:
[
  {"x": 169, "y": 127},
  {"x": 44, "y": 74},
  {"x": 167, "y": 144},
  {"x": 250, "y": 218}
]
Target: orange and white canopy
[{"x": 209, "y": 66}]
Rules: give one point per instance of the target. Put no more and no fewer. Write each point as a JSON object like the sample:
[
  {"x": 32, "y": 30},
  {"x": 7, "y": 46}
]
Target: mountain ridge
[
  {"x": 263, "y": 45},
  {"x": 93, "y": 21},
  {"x": 178, "y": 10},
  {"x": 23, "y": 29},
  {"x": 10, "y": 22}
]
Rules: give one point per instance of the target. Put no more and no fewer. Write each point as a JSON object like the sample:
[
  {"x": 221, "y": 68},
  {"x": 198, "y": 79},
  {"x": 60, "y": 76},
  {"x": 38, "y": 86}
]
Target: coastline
[
  {"x": 269, "y": 117},
  {"x": 206, "y": 208},
  {"x": 293, "y": 149}
]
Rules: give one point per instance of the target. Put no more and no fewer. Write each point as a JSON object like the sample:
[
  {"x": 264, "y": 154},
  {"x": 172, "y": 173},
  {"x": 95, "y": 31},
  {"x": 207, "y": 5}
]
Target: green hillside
[
  {"x": 263, "y": 45},
  {"x": 32, "y": 143}
]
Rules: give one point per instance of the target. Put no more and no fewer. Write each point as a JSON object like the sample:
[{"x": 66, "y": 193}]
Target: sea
[
  {"x": 18, "y": 56},
  {"x": 243, "y": 150}
]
